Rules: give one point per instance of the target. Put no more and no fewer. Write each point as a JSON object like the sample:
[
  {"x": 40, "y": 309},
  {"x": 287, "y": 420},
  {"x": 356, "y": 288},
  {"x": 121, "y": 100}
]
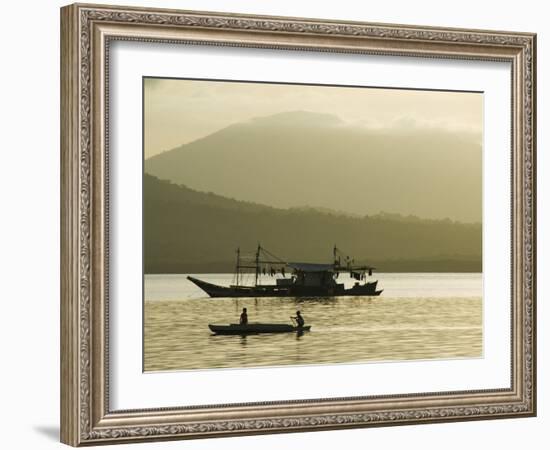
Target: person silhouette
[
  {"x": 299, "y": 319},
  {"x": 244, "y": 317}
]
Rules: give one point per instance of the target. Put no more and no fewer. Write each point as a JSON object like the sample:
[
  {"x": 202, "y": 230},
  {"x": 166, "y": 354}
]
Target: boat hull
[
  {"x": 213, "y": 290},
  {"x": 256, "y": 328}
]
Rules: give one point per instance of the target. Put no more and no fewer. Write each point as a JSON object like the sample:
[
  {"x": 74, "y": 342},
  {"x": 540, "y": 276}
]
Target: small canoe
[{"x": 256, "y": 328}]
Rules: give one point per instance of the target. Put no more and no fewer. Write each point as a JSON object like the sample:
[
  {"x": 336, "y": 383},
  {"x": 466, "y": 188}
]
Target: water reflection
[{"x": 344, "y": 329}]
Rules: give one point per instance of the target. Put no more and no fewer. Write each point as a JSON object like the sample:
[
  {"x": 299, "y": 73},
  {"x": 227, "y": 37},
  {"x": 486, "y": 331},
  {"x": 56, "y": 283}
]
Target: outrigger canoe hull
[
  {"x": 256, "y": 328},
  {"x": 213, "y": 290}
]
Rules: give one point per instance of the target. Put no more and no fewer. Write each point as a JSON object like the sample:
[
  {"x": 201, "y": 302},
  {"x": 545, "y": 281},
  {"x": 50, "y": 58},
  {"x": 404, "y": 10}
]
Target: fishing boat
[
  {"x": 293, "y": 279},
  {"x": 256, "y": 328}
]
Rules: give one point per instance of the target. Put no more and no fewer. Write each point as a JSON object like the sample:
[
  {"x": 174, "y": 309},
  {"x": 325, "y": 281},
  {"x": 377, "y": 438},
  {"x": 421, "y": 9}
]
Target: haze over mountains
[
  {"x": 307, "y": 160},
  {"x": 187, "y": 231}
]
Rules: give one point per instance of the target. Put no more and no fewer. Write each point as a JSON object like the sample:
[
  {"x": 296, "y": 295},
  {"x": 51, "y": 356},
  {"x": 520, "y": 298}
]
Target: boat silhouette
[
  {"x": 293, "y": 279},
  {"x": 256, "y": 328}
]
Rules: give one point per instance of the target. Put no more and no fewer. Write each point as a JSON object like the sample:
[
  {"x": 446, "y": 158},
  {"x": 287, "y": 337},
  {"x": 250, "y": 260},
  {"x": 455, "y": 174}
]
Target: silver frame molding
[{"x": 86, "y": 32}]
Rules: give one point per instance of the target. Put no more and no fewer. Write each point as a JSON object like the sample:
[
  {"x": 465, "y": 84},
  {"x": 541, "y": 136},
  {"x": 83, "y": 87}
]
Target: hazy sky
[{"x": 180, "y": 111}]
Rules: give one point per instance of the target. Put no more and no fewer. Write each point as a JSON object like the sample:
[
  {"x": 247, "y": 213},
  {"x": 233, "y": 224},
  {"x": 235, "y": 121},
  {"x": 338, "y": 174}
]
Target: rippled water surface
[{"x": 418, "y": 316}]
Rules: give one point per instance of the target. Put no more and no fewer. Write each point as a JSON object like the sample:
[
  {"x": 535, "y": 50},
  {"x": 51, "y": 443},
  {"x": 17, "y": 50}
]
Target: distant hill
[
  {"x": 300, "y": 158},
  {"x": 187, "y": 231}
]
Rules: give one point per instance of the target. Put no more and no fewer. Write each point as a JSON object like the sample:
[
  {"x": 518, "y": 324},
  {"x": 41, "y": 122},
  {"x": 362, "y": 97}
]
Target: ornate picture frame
[{"x": 87, "y": 32}]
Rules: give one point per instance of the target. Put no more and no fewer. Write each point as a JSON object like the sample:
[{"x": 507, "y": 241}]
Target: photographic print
[{"x": 293, "y": 224}]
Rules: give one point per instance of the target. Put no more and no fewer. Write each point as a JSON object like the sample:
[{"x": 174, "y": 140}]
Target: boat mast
[
  {"x": 237, "y": 268},
  {"x": 257, "y": 264}
]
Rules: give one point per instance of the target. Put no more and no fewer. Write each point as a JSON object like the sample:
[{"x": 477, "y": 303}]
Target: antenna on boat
[{"x": 336, "y": 253}]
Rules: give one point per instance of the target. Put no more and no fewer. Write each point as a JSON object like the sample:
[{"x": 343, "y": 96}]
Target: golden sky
[{"x": 177, "y": 112}]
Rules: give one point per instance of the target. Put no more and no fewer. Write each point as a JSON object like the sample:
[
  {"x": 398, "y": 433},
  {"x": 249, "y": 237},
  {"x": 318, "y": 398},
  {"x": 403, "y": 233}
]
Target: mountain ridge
[
  {"x": 188, "y": 231},
  {"x": 283, "y": 163}
]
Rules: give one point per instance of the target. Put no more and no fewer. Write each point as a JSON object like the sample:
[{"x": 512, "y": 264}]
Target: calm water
[{"x": 418, "y": 316}]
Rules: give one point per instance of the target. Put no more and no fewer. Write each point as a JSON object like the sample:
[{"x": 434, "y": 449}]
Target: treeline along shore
[{"x": 188, "y": 231}]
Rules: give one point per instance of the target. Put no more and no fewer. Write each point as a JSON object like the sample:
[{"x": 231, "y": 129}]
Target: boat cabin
[{"x": 308, "y": 274}]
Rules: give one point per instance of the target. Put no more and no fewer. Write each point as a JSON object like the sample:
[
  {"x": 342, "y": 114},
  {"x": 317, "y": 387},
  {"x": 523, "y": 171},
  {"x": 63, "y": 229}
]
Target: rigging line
[{"x": 268, "y": 253}]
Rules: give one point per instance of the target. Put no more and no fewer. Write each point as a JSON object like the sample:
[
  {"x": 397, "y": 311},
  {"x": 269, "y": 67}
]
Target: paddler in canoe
[
  {"x": 243, "y": 320},
  {"x": 299, "y": 319}
]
